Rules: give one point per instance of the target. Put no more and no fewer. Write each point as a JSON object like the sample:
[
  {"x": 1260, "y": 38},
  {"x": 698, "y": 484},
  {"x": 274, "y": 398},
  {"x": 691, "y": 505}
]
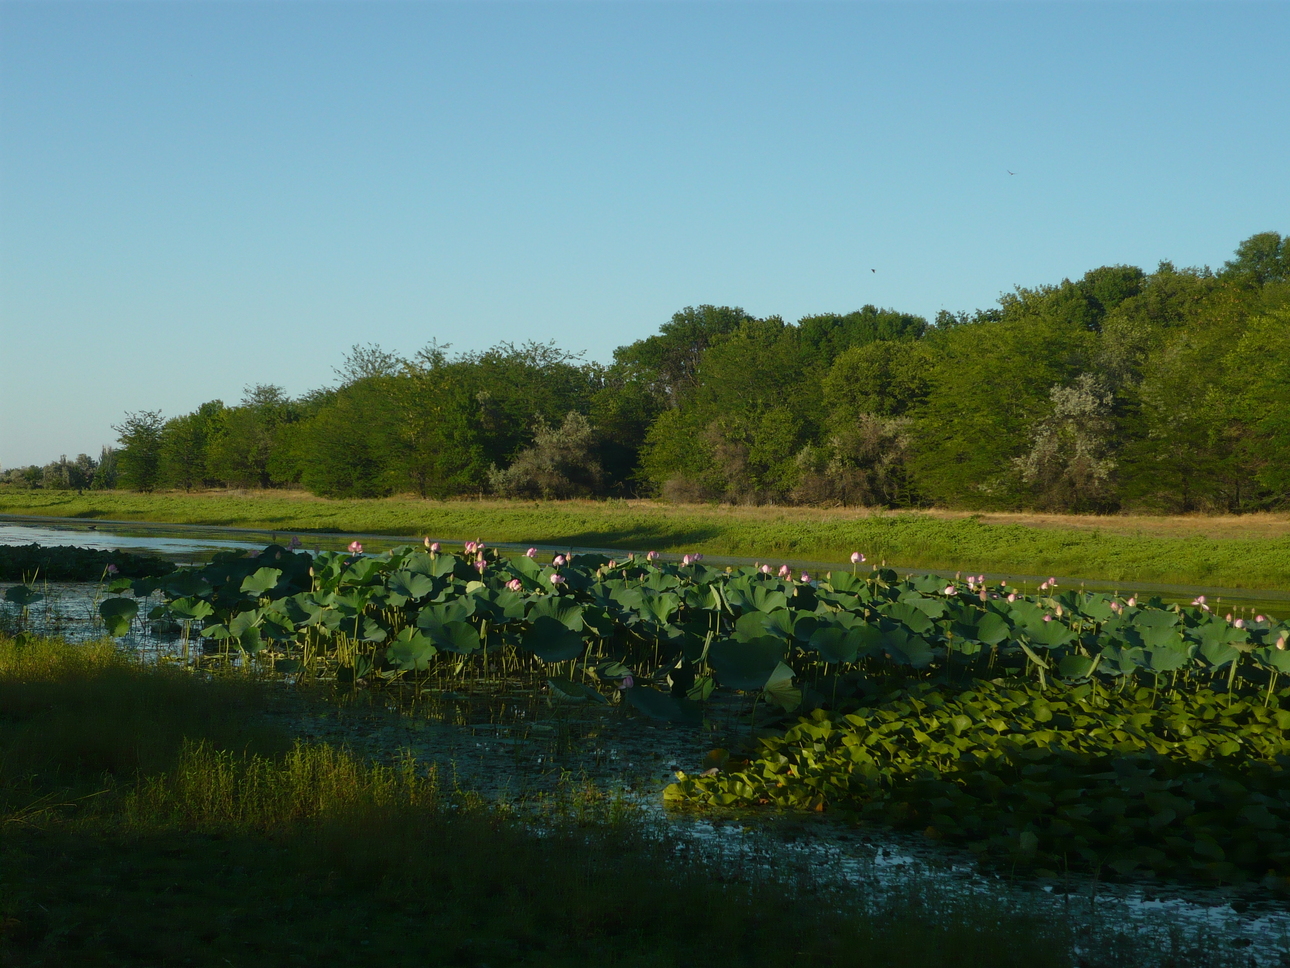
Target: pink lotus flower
[
  {"x": 627, "y": 682},
  {"x": 785, "y": 571},
  {"x": 559, "y": 560},
  {"x": 1239, "y": 623},
  {"x": 471, "y": 547},
  {"x": 515, "y": 585},
  {"x": 1048, "y": 618},
  {"x": 1258, "y": 618},
  {"x": 1132, "y": 602},
  {"x": 355, "y": 548},
  {"x": 556, "y": 579},
  {"x": 294, "y": 543},
  {"x": 805, "y": 579},
  {"x": 856, "y": 558},
  {"x": 686, "y": 560},
  {"x": 481, "y": 565},
  {"x": 531, "y": 553},
  {"x": 113, "y": 569},
  {"x": 950, "y": 590},
  {"x": 1281, "y": 642},
  {"x": 612, "y": 564},
  {"x": 651, "y": 556},
  {"x": 1198, "y": 600},
  {"x": 434, "y": 547},
  {"x": 765, "y": 569},
  {"x": 1012, "y": 596}
]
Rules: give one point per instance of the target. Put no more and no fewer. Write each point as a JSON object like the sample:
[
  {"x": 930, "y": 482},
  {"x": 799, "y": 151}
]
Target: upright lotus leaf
[
  {"x": 1274, "y": 658},
  {"x": 261, "y": 581},
  {"x": 753, "y": 625},
  {"x": 566, "y": 690},
  {"x": 992, "y": 629},
  {"x": 906, "y": 649},
  {"x": 844, "y": 581},
  {"x": 1162, "y": 637},
  {"x": 363, "y": 628},
  {"x": 241, "y": 621},
  {"x": 410, "y": 586},
  {"x": 1151, "y": 618},
  {"x": 659, "y": 609},
  {"x": 780, "y": 690},
  {"x": 276, "y": 628},
  {"x": 410, "y": 651},
  {"x": 461, "y": 638},
  {"x": 1078, "y": 666},
  {"x": 1096, "y": 607},
  {"x": 563, "y": 610},
  {"x": 662, "y": 706},
  {"x": 933, "y": 608},
  {"x": 1166, "y": 659},
  {"x": 597, "y": 621},
  {"x": 457, "y": 610},
  {"x": 190, "y": 609},
  {"x": 117, "y": 614},
  {"x": 630, "y": 599},
  {"x": 836, "y": 644},
  {"x": 251, "y": 641},
  {"x": 926, "y": 584},
  {"x": 552, "y": 640},
  {"x": 765, "y": 598},
  {"x": 119, "y": 585},
  {"x": 364, "y": 571},
  {"x": 910, "y": 616},
  {"x": 525, "y": 567},
  {"x": 1218, "y": 653},
  {"x": 746, "y": 665},
  {"x": 1025, "y": 614},
  {"x": 186, "y": 584},
  {"x": 1123, "y": 662},
  {"x": 660, "y": 581},
  {"x": 1050, "y": 635},
  {"x": 302, "y": 609},
  {"x": 22, "y": 596},
  {"x": 807, "y": 624},
  {"x": 506, "y": 605}
]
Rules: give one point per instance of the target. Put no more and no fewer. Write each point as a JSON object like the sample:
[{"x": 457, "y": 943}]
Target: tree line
[{"x": 1124, "y": 389}]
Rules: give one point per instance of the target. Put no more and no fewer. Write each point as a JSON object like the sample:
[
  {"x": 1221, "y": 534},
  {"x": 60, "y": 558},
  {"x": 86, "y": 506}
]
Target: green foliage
[
  {"x": 1191, "y": 783},
  {"x": 139, "y": 459}
]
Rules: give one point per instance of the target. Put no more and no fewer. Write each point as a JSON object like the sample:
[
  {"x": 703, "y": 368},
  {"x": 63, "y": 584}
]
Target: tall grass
[{"x": 913, "y": 539}]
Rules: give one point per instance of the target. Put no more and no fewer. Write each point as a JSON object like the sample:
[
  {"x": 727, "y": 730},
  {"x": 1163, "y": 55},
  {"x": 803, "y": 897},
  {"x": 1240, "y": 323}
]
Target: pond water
[{"x": 504, "y": 740}]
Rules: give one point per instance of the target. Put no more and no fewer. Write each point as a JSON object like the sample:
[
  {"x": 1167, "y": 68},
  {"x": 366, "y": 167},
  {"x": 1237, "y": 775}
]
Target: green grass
[
  {"x": 149, "y": 816},
  {"x": 1181, "y": 555}
]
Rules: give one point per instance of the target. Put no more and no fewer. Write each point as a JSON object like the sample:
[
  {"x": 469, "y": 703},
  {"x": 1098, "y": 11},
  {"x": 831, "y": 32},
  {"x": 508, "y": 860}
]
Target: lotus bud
[
  {"x": 559, "y": 560},
  {"x": 950, "y": 590},
  {"x": 355, "y": 548},
  {"x": 765, "y": 569},
  {"x": 1228, "y": 616},
  {"x": 1059, "y": 611},
  {"x": 686, "y": 560},
  {"x": 481, "y": 565},
  {"x": 1259, "y": 618},
  {"x": 1012, "y": 597},
  {"x": 294, "y": 543},
  {"x": 113, "y": 569},
  {"x": 426, "y": 541},
  {"x": 434, "y": 547},
  {"x": 612, "y": 564},
  {"x": 531, "y": 553},
  {"x": 651, "y": 556},
  {"x": 1239, "y": 623},
  {"x": 627, "y": 682},
  {"x": 557, "y": 579},
  {"x": 1048, "y": 618},
  {"x": 515, "y": 585},
  {"x": 1281, "y": 642},
  {"x": 1132, "y": 602}
]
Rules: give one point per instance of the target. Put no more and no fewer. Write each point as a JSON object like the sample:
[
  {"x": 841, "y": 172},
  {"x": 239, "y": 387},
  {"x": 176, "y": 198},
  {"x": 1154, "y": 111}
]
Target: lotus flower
[
  {"x": 1281, "y": 642},
  {"x": 480, "y": 565},
  {"x": 1012, "y": 597},
  {"x": 113, "y": 569},
  {"x": 515, "y": 585},
  {"x": 355, "y": 548},
  {"x": 805, "y": 579},
  {"x": 1259, "y": 618},
  {"x": 651, "y": 556},
  {"x": 559, "y": 560},
  {"x": 686, "y": 560},
  {"x": 531, "y": 553},
  {"x": 1198, "y": 600},
  {"x": 1048, "y": 618},
  {"x": 434, "y": 547},
  {"x": 556, "y": 579},
  {"x": 471, "y": 547},
  {"x": 765, "y": 569},
  {"x": 950, "y": 590},
  {"x": 294, "y": 543},
  {"x": 1239, "y": 623},
  {"x": 1132, "y": 602},
  {"x": 627, "y": 682},
  {"x": 785, "y": 571},
  {"x": 856, "y": 558}
]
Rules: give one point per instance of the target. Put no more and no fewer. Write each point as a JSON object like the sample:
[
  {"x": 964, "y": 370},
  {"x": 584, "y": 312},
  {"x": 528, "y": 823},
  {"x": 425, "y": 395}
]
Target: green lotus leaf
[
  {"x": 557, "y": 608},
  {"x": 566, "y": 690},
  {"x": 746, "y": 665},
  {"x": 552, "y": 640},
  {"x": 261, "y": 582},
  {"x": 117, "y": 614},
  {"x": 22, "y": 596},
  {"x": 661, "y": 706},
  {"x": 411, "y": 651}
]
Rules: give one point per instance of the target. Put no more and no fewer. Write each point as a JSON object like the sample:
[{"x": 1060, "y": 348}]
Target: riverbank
[{"x": 1239, "y": 552}]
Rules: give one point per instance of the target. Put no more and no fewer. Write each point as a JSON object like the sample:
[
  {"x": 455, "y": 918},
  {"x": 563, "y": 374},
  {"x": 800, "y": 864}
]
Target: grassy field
[
  {"x": 1241, "y": 552},
  {"x": 151, "y": 817}
]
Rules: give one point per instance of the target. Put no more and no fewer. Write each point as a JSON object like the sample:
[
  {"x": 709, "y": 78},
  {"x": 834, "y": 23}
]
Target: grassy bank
[
  {"x": 1252, "y": 552},
  {"x": 151, "y": 817}
]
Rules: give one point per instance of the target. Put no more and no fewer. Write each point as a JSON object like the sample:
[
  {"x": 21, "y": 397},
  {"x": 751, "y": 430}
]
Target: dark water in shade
[{"x": 195, "y": 543}]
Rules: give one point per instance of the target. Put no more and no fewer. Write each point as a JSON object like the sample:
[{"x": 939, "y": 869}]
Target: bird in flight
[
  {"x": 1010, "y": 172},
  {"x": 873, "y": 270}
]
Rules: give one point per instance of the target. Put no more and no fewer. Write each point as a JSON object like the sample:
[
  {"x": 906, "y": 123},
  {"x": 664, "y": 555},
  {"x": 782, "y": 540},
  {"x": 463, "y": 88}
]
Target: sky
[{"x": 198, "y": 197}]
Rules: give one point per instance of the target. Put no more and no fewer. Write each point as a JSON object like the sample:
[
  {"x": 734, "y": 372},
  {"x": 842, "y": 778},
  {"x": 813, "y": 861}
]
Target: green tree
[
  {"x": 185, "y": 445},
  {"x": 139, "y": 459}
]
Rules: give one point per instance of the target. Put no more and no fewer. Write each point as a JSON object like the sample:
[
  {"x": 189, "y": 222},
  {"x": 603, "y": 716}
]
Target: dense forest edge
[{"x": 1123, "y": 391}]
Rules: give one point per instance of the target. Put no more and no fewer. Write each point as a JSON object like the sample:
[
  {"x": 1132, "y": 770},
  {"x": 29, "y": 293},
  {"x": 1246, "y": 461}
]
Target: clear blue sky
[{"x": 199, "y": 196}]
